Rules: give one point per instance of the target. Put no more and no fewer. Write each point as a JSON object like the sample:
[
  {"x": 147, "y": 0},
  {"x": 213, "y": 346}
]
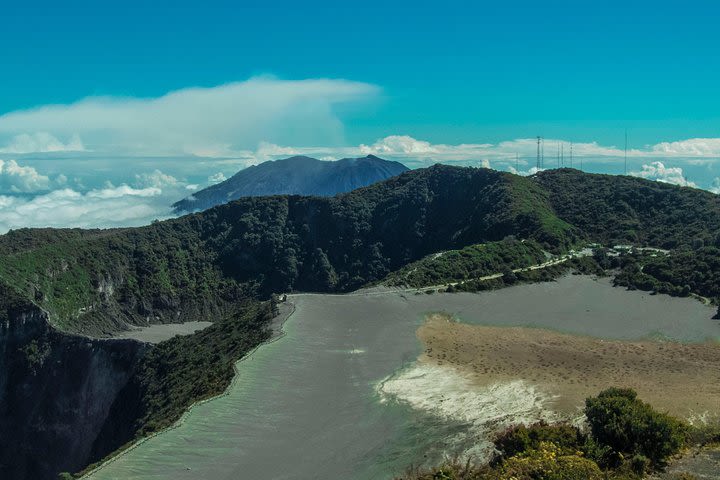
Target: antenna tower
[
  {"x": 558, "y": 154},
  {"x": 625, "y": 151},
  {"x": 538, "y": 153},
  {"x": 581, "y": 163}
]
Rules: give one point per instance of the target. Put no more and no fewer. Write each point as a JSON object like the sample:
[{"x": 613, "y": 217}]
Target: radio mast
[
  {"x": 626, "y": 151},
  {"x": 558, "y": 153}
]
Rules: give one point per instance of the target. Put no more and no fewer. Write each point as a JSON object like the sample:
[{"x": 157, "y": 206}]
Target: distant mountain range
[{"x": 294, "y": 176}]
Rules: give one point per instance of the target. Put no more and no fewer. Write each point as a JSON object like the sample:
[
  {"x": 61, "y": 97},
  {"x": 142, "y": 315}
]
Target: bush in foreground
[
  {"x": 521, "y": 438},
  {"x": 621, "y": 421},
  {"x": 627, "y": 439}
]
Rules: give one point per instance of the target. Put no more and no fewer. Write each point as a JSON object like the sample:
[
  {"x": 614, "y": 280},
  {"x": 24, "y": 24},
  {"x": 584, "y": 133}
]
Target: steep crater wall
[{"x": 56, "y": 391}]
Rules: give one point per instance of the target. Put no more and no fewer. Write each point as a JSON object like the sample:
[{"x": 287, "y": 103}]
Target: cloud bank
[
  {"x": 148, "y": 199},
  {"x": 715, "y": 188},
  {"x": 424, "y": 152},
  {"x": 209, "y": 122},
  {"x": 110, "y": 207},
  {"x": 42, "y": 142},
  {"x": 659, "y": 172},
  {"x": 16, "y": 178}
]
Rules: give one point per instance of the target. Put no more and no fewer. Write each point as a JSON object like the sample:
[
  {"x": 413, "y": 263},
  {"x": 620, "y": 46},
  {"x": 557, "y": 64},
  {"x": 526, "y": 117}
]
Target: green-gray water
[{"x": 306, "y": 406}]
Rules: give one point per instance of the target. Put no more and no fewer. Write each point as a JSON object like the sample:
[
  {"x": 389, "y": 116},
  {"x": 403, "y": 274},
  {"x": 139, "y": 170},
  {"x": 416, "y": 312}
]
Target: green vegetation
[
  {"x": 216, "y": 264},
  {"x": 12, "y": 303},
  {"x": 96, "y": 281},
  {"x": 95, "y": 284},
  {"x": 532, "y": 207},
  {"x": 619, "y": 210},
  {"x": 679, "y": 273},
  {"x": 190, "y": 368},
  {"x": 468, "y": 263},
  {"x": 627, "y": 439},
  {"x": 181, "y": 371},
  {"x": 622, "y": 422},
  {"x": 35, "y": 353},
  {"x": 520, "y": 438}
]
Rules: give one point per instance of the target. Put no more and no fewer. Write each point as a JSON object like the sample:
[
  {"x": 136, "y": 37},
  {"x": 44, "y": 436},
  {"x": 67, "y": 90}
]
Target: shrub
[
  {"x": 549, "y": 463},
  {"x": 621, "y": 421},
  {"x": 519, "y": 439},
  {"x": 640, "y": 464}
]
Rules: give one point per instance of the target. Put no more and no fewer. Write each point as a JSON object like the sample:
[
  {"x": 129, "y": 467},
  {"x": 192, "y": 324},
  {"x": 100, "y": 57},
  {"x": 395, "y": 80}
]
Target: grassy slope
[
  {"x": 615, "y": 209},
  {"x": 94, "y": 284},
  {"x": 468, "y": 263}
]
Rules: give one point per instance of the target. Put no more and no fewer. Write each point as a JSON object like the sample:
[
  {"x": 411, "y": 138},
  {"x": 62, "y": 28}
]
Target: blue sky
[{"x": 96, "y": 94}]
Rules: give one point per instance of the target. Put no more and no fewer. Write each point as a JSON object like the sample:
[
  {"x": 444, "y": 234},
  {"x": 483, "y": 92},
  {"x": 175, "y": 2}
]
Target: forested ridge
[
  {"x": 620, "y": 209},
  {"x": 475, "y": 261},
  {"x": 197, "y": 265},
  {"x": 221, "y": 263},
  {"x": 93, "y": 282}
]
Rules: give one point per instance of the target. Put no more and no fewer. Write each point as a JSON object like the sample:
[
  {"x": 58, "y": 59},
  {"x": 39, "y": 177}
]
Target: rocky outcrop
[{"x": 56, "y": 391}]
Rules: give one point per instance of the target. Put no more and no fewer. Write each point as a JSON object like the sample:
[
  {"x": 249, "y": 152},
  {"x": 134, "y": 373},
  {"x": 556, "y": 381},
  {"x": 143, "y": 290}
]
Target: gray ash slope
[{"x": 294, "y": 176}]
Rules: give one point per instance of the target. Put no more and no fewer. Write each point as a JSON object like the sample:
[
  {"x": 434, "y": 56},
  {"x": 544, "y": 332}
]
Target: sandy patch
[{"x": 681, "y": 378}]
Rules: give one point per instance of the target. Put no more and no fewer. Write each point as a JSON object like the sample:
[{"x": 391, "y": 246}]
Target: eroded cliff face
[{"x": 56, "y": 391}]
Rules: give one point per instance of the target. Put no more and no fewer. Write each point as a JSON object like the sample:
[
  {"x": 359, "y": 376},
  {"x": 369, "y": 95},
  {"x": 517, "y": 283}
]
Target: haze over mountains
[{"x": 294, "y": 176}]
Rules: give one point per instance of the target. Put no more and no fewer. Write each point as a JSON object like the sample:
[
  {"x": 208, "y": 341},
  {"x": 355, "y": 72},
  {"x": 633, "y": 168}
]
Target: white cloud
[
  {"x": 122, "y": 191},
  {"x": 217, "y": 121},
  {"x": 715, "y": 188},
  {"x": 17, "y": 178},
  {"x": 217, "y": 178},
  {"x": 155, "y": 179},
  {"x": 107, "y": 207},
  {"x": 525, "y": 173},
  {"x": 658, "y": 171},
  {"x": 42, "y": 142},
  {"x": 424, "y": 152},
  {"x": 403, "y": 145},
  {"x": 693, "y": 147},
  {"x": 420, "y": 152}
]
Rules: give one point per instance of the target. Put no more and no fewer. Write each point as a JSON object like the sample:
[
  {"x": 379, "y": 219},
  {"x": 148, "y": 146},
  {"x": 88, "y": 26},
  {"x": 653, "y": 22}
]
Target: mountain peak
[{"x": 297, "y": 175}]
